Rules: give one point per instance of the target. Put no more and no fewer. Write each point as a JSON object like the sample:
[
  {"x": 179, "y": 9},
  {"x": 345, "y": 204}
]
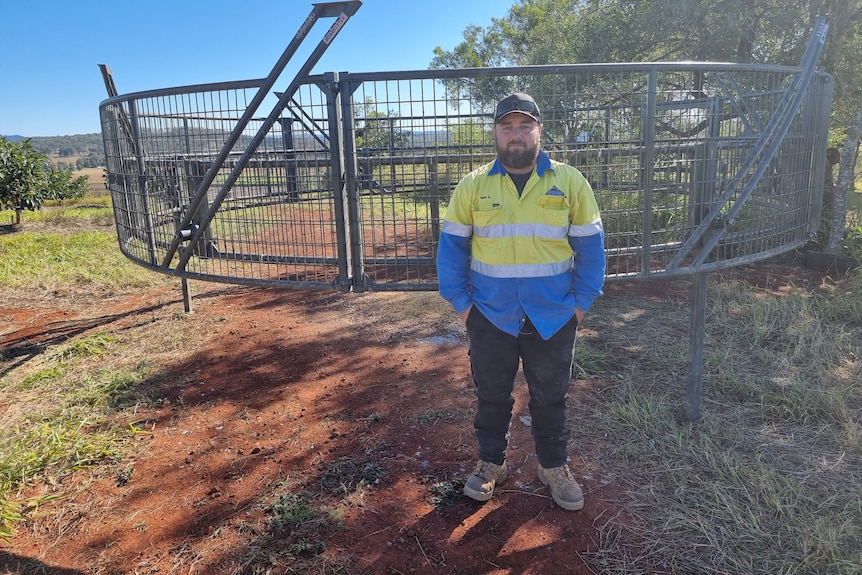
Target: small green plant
[
  {"x": 447, "y": 492},
  {"x": 297, "y": 527},
  {"x": 589, "y": 360},
  {"x": 294, "y": 512},
  {"x": 10, "y": 514},
  {"x": 431, "y": 416},
  {"x": 345, "y": 475},
  {"x": 305, "y": 547},
  {"x": 853, "y": 241}
]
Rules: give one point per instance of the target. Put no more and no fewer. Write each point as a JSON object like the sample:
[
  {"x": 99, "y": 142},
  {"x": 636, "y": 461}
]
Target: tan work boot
[
  {"x": 481, "y": 483},
  {"x": 564, "y": 489}
]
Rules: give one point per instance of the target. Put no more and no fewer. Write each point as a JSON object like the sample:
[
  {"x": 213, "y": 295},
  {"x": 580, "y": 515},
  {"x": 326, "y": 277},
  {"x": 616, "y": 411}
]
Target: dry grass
[
  {"x": 768, "y": 481},
  {"x": 95, "y": 178}
]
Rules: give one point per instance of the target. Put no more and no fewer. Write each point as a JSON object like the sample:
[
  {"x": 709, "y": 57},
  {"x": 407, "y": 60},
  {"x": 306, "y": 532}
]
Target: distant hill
[
  {"x": 75, "y": 145},
  {"x": 82, "y": 150}
]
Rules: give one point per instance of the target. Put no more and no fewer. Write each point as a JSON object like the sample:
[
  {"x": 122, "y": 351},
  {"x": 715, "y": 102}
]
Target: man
[{"x": 521, "y": 259}]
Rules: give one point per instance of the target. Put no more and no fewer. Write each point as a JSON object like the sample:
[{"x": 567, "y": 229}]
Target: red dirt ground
[{"x": 282, "y": 386}]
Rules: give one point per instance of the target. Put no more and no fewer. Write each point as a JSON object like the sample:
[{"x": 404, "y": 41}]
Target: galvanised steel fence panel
[
  {"x": 695, "y": 166},
  {"x": 271, "y": 219},
  {"x": 663, "y": 145},
  {"x": 225, "y": 217}
]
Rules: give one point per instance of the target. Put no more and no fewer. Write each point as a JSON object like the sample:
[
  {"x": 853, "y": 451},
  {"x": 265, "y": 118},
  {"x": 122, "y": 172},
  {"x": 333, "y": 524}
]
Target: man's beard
[{"x": 518, "y": 159}]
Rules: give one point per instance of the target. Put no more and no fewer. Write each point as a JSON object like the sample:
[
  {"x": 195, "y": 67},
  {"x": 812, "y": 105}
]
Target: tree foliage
[
  {"x": 470, "y": 134},
  {"x": 72, "y": 145},
  {"x": 27, "y": 179},
  {"x": 537, "y": 32},
  {"x": 377, "y": 130},
  {"x": 777, "y": 32}
]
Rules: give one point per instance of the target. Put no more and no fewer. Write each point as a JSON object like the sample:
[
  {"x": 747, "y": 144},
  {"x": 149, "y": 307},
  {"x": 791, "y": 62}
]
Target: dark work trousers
[{"x": 494, "y": 360}]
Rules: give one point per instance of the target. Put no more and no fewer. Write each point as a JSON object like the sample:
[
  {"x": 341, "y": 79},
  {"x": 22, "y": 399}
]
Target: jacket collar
[{"x": 543, "y": 163}]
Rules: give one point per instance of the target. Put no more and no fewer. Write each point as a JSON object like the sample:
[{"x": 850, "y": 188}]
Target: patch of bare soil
[{"x": 287, "y": 392}]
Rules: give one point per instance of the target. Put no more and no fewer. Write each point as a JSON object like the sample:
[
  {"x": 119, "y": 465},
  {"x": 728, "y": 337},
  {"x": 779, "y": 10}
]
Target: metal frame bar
[
  {"x": 343, "y": 11},
  {"x": 761, "y": 156}
]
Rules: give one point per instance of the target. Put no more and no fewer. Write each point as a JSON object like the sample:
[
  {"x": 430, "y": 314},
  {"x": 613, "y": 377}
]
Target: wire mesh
[{"x": 350, "y": 186}]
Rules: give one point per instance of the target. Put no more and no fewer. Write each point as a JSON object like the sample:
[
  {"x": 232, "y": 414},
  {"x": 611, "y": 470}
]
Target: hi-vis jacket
[{"x": 539, "y": 255}]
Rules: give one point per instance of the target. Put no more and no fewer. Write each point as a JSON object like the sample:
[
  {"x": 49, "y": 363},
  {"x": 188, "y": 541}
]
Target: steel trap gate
[{"x": 343, "y": 185}]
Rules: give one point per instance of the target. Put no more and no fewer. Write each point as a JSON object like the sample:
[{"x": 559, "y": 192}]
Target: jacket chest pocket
[
  {"x": 553, "y": 210},
  {"x": 490, "y": 216},
  {"x": 487, "y": 210}
]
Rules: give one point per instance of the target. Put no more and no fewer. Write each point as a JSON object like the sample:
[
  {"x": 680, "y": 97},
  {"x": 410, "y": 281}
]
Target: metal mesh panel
[
  {"x": 412, "y": 147},
  {"x": 276, "y": 222},
  {"x": 350, "y": 185}
]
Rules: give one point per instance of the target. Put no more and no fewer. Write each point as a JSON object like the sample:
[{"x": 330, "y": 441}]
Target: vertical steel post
[
  {"x": 821, "y": 118},
  {"x": 142, "y": 188},
  {"x": 187, "y": 295},
  {"x": 351, "y": 188},
  {"x": 696, "y": 331},
  {"x": 701, "y": 202},
  {"x": 648, "y": 165},
  {"x": 340, "y": 178},
  {"x": 187, "y": 137},
  {"x": 290, "y": 171},
  {"x": 434, "y": 201}
]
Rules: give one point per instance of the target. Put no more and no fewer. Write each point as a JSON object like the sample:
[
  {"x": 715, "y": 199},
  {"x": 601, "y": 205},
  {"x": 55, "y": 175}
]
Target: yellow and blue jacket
[{"x": 539, "y": 255}]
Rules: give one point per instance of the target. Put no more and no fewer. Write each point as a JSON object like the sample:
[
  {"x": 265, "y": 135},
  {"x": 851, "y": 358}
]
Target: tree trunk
[{"x": 845, "y": 184}]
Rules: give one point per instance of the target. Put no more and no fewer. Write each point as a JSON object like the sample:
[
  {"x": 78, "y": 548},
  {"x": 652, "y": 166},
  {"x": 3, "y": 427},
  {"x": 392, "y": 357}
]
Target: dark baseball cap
[{"x": 518, "y": 102}]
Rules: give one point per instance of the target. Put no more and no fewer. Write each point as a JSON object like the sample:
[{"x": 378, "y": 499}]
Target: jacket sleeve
[
  {"x": 453, "y": 251},
  {"x": 589, "y": 273},
  {"x": 453, "y": 269},
  {"x": 587, "y": 239}
]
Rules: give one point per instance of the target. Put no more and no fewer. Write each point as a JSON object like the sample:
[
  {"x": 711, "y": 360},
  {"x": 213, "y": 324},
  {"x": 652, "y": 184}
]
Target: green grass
[
  {"x": 589, "y": 360},
  {"x": 294, "y": 512},
  {"x": 84, "y": 260},
  {"x": 90, "y": 209},
  {"x": 768, "y": 480},
  {"x": 61, "y": 406},
  {"x": 852, "y": 245},
  {"x": 61, "y": 427}
]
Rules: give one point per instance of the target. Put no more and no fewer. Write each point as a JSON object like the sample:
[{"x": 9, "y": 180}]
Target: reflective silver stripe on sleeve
[
  {"x": 454, "y": 229},
  {"x": 530, "y": 230},
  {"x": 587, "y": 230},
  {"x": 521, "y": 270}
]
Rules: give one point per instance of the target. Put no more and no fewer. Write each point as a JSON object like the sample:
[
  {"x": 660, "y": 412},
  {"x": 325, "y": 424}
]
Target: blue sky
[{"x": 50, "y": 84}]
